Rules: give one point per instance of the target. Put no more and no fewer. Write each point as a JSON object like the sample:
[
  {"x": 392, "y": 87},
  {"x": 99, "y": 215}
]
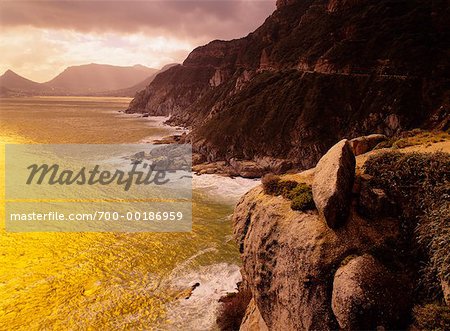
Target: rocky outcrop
[
  {"x": 366, "y": 274},
  {"x": 333, "y": 183},
  {"x": 316, "y": 71},
  {"x": 253, "y": 320},
  {"x": 336, "y": 5},
  {"x": 366, "y": 295},
  {"x": 289, "y": 258},
  {"x": 242, "y": 168},
  {"x": 247, "y": 169},
  {"x": 365, "y": 144}
]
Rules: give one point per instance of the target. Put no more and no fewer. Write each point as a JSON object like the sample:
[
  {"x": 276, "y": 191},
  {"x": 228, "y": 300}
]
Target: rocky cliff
[
  {"x": 315, "y": 71},
  {"x": 385, "y": 264}
]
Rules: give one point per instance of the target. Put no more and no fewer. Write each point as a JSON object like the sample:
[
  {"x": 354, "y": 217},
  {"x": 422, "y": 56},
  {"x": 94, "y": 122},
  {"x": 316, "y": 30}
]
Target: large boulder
[
  {"x": 333, "y": 183},
  {"x": 247, "y": 169},
  {"x": 366, "y": 295}
]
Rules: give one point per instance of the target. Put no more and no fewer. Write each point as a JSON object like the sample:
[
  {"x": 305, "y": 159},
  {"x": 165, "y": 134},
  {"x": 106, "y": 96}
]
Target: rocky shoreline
[{"x": 257, "y": 168}]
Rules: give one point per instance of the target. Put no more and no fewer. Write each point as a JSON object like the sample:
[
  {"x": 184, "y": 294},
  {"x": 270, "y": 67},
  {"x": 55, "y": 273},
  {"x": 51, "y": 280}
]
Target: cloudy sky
[{"x": 38, "y": 39}]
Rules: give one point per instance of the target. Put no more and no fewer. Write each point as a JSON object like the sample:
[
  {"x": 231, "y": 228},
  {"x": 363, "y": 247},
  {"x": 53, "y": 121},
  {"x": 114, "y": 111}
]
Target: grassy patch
[
  {"x": 414, "y": 180},
  {"x": 302, "y": 198},
  {"x": 273, "y": 185},
  {"x": 432, "y": 317},
  {"x": 433, "y": 232},
  {"x": 413, "y": 138},
  {"x": 300, "y": 194},
  {"x": 419, "y": 185}
]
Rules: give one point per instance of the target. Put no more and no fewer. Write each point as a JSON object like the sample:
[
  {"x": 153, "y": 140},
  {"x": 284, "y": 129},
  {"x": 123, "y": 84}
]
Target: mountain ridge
[
  {"x": 88, "y": 79},
  {"x": 315, "y": 71},
  {"x": 131, "y": 91},
  {"x": 99, "y": 77}
]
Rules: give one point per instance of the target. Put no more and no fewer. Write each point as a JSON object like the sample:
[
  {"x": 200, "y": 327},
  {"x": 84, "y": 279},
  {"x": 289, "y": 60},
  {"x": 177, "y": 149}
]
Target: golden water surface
[{"x": 96, "y": 281}]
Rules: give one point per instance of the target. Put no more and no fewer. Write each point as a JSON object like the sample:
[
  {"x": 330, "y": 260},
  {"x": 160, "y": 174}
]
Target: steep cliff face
[
  {"x": 316, "y": 70},
  {"x": 377, "y": 269}
]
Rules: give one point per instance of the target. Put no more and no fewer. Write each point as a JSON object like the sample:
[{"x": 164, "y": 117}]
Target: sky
[{"x": 39, "y": 39}]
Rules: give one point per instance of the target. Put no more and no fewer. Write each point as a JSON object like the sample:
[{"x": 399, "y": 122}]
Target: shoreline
[
  {"x": 234, "y": 168},
  {"x": 173, "y": 132},
  {"x": 240, "y": 184},
  {"x": 212, "y": 260},
  {"x": 260, "y": 166},
  {"x": 202, "y": 290}
]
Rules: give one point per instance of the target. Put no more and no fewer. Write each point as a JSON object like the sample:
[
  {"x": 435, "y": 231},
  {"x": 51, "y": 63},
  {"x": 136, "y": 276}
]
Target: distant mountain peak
[
  {"x": 105, "y": 65},
  {"x": 9, "y": 72},
  {"x": 95, "y": 77},
  {"x": 14, "y": 81}
]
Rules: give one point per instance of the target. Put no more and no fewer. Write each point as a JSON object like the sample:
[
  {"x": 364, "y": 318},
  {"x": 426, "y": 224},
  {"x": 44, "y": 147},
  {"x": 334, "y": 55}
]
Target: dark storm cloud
[{"x": 188, "y": 19}]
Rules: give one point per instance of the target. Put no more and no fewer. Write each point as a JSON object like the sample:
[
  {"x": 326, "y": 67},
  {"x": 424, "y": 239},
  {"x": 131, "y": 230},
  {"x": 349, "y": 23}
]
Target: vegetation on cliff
[
  {"x": 414, "y": 137},
  {"x": 300, "y": 194},
  {"x": 419, "y": 184},
  {"x": 432, "y": 317}
]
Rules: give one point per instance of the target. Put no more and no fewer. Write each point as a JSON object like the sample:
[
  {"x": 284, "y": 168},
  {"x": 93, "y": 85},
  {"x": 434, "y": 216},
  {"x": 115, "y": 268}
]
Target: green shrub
[
  {"x": 303, "y": 201},
  {"x": 299, "y": 189},
  {"x": 302, "y": 198},
  {"x": 285, "y": 187},
  {"x": 273, "y": 185},
  {"x": 300, "y": 194},
  {"x": 270, "y": 183}
]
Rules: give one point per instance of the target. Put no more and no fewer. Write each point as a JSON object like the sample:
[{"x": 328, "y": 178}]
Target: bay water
[{"x": 113, "y": 281}]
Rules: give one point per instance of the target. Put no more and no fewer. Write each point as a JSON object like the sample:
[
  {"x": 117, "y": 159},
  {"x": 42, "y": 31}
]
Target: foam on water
[
  {"x": 159, "y": 122},
  {"x": 199, "y": 310},
  {"x": 224, "y": 188}
]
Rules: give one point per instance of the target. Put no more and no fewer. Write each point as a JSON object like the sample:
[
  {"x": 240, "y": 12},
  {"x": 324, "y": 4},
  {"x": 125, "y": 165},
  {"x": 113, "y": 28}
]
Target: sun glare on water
[{"x": 71, "y": 281}]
